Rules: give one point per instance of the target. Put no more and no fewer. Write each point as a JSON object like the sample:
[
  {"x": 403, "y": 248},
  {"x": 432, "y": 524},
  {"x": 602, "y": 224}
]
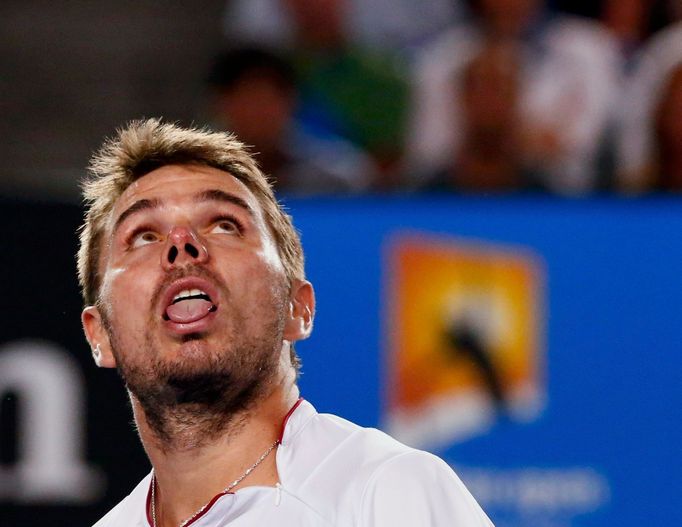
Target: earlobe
[
  {"x": 299, "y": 323},
  {"x": 97, "y": 337}
]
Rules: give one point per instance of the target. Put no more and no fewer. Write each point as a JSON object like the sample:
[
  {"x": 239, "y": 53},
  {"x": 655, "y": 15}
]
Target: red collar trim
[
  {"x": 286, "y": 418},
  {"x": 148, "y": 505}
]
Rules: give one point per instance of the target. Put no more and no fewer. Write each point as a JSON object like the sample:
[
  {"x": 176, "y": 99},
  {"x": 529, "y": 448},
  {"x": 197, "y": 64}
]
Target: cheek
[
  {"x": 126, "y": 295},
  {"x": 264, "y": 287},
  {"x": 270, "y": 257},
  {"x": 256, "y": 271}
]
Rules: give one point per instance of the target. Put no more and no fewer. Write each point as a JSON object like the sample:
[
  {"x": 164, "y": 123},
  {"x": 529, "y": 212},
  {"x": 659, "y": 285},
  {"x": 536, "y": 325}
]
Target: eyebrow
[
  {"x": 140, "y": 205},
  {"x": 220, "y": 195},
  {"x": 206, "y": 195}
]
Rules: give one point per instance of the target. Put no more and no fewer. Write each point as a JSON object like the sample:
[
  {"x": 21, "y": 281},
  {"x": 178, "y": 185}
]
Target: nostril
[
  {"x": 191, "y": 250},
  {"x": 172, "y": 254}
]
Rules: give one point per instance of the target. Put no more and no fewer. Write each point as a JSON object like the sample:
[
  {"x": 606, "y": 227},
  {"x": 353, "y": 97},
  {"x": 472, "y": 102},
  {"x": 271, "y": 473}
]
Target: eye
[
  {"x": 143, "y": 237},
  {"x": 226, "y": 225}
]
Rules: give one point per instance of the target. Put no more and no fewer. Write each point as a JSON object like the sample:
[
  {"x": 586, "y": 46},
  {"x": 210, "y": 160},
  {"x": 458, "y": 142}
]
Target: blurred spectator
[
  {"x": 631, "y": 22},
  {"x": 254, "y": 95},
  {"x": 650, "y": 138},
  {"x": 347, "y": 89},
  {"x": 569, "y": 71},
  {"x": 489, "y": 98},
  {"x": 388, "y": 24}
]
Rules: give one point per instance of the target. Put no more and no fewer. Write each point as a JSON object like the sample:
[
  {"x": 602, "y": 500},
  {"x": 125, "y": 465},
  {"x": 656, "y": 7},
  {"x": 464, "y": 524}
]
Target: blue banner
[{"x": 559, "y": 402}]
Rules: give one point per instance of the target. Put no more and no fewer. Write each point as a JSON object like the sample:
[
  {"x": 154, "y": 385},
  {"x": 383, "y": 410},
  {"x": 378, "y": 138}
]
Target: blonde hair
[{"x": 145, "y": 145}]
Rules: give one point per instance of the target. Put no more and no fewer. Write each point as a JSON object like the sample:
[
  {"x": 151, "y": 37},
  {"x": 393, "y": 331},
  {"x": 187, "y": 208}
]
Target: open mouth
[{"x": 189, "y": 305}]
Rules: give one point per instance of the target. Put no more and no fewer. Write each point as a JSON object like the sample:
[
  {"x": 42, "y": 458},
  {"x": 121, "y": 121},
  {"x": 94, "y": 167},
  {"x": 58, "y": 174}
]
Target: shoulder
[
  {"x": 130, "y": 512},
  {"x": 113, "y": 517},
  {"x": 332, "y": 443},
  {"x": 368, "y": 478},
  {"x": 416, "y": 487}
]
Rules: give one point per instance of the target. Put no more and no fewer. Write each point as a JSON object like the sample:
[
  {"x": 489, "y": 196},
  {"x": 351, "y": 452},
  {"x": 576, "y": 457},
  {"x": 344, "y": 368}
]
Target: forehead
[{"x": 177, "y": 183}]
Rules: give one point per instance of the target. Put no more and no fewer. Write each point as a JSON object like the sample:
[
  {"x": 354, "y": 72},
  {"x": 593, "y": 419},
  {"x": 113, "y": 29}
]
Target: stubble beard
[{"x": 190, "y": 402}]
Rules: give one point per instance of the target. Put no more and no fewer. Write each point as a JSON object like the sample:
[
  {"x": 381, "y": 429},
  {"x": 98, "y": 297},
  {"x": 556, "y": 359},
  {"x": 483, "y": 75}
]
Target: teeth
[{"x": 188, "y": 293}]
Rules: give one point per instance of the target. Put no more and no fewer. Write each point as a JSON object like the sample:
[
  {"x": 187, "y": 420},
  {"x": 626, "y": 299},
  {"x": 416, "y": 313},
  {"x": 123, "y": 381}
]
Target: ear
[
  {"x": 98, "y": 338},
  {"x": 299, "y": 323}
]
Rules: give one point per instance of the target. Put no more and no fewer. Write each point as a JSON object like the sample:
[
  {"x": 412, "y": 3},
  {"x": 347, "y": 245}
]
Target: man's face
[{"x": 194, "y": 299}]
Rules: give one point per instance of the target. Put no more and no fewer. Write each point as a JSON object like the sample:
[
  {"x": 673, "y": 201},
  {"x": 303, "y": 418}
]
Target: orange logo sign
[{"x": 464, "y": 328}]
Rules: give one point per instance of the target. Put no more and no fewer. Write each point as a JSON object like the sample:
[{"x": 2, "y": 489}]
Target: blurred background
[{"x": 487, "y": 192}]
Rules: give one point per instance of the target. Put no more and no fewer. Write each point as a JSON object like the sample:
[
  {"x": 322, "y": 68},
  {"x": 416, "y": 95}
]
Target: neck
[{"x": 188, "y": 477}]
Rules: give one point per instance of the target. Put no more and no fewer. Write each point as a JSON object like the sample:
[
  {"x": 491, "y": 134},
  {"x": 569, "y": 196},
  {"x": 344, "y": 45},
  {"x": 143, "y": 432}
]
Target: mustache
[{"x": 182, "y": 272}]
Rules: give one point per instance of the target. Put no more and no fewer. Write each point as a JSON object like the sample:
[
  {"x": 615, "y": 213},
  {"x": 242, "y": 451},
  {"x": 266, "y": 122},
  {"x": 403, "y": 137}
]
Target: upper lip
[{"x": 189, "y": 282}]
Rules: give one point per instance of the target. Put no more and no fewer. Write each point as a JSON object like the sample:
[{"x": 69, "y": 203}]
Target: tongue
[{"x": 190, "y": 310}]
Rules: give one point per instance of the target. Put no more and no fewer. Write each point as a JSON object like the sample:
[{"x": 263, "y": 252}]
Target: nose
[{"x": 183, "y": 246}]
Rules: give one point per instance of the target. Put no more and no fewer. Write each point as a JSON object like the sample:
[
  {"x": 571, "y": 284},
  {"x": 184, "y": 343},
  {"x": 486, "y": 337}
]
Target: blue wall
[{"x": 610, "y": 430}]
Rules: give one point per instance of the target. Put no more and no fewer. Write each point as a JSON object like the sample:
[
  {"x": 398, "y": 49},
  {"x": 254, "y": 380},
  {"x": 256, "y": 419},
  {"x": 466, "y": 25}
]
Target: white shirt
[{"x": 334, "y": 473}]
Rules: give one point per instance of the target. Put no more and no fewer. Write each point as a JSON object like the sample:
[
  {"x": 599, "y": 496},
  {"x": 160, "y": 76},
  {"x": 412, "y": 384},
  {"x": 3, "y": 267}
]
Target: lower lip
[{"x": 198, "y": 326}]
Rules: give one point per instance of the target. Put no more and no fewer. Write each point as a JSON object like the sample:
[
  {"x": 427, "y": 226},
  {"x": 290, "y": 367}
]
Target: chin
[
  {"x": 193, "y": 347},
  {"x": 193, "y": 336}
]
